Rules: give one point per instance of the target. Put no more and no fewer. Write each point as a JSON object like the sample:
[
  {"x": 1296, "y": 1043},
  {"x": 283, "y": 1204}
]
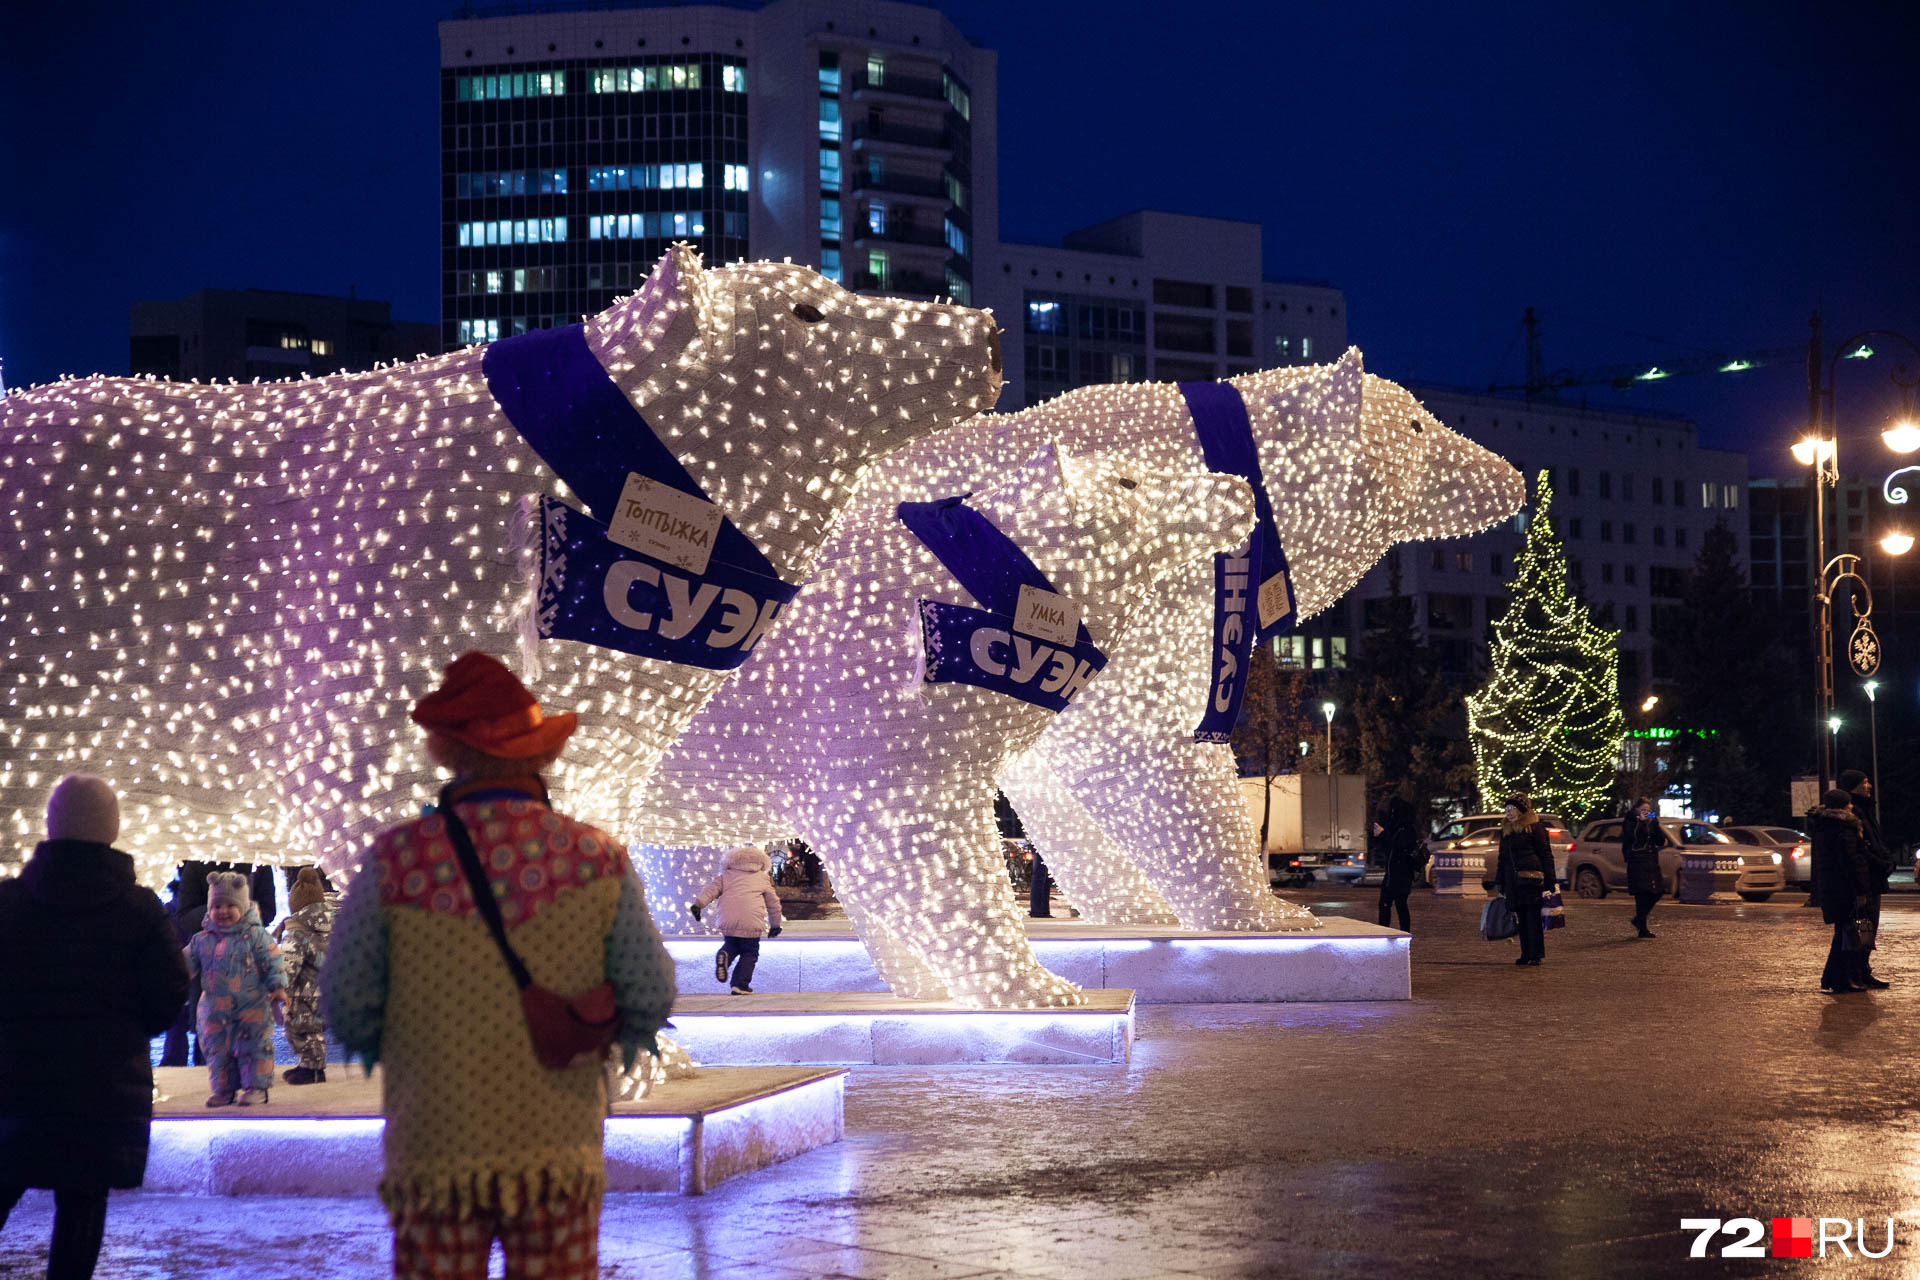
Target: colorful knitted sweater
[{"x": 413, "y": 980}]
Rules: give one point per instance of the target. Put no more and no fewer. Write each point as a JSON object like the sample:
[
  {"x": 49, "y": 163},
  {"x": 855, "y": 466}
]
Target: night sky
[{"x": 1657, "y": 179}]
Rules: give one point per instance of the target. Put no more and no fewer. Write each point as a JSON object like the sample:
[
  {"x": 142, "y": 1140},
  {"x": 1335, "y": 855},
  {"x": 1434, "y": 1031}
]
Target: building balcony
[
  {"x": 926, "y": 237},
  {"x": 893, "y": 85},
  {"x": 901, "y": 184},
  {"x": 913, "y": 284},
  {"x": 902, "y": 136}
]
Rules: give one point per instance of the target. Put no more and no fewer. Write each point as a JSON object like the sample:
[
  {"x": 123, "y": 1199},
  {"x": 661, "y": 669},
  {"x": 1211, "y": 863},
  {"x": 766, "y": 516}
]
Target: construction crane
[{"x": 1625, "y": 377}]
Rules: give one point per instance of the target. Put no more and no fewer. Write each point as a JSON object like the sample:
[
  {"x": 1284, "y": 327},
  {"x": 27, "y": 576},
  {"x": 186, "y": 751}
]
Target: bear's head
[
  {"x": 1354, "y": 464},
  {"x": 1104, "y": 530},
  {"x": 775, "y": 386}
]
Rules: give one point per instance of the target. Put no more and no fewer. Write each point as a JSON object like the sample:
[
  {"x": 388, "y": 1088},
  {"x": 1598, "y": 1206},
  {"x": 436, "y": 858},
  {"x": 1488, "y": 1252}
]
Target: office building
[
  {"x": 260, "y": 333},
  {"x": 1632, "y": 496},
  {"x": 1151, "y": 297},
  {"x": 578, "y": 143}
]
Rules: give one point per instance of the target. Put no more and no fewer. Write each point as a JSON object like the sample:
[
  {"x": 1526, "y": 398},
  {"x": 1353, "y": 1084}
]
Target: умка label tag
[
  {"x": 1275, "y": 601},
  {"x": 660, "y": 521},
  {"x": 1047, "y": 615}
]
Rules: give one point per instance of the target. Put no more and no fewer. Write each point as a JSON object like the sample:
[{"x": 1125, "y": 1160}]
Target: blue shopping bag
[
  {"x": 1496, "y": 920},
  {"x": 1553, "y": 911}
]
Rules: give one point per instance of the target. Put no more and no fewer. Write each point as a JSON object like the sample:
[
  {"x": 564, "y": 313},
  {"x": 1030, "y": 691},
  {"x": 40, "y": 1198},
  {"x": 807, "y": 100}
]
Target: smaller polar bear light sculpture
[
  {"x": 224, "y": 598},
  {"x": 1131, "y": 794},
  {"x": 882, "y": 726}
]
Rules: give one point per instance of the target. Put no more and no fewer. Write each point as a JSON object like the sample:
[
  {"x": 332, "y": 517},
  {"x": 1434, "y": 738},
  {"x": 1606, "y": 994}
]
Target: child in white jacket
[{"x": 749, "y": 910}]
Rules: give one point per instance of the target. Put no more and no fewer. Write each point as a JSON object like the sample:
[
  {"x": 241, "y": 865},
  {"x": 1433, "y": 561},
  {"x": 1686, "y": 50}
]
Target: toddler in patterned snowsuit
[
  {"x": 303, "y": 942},
  {"x": 240, "y": 972}
]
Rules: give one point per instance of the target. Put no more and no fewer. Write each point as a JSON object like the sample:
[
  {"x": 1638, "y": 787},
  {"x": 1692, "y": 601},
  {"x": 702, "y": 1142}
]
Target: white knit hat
[{"x": 82, "y": 807}]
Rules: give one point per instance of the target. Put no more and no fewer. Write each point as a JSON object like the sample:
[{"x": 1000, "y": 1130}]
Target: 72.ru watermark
[{"x": 1790, "y": 1238}]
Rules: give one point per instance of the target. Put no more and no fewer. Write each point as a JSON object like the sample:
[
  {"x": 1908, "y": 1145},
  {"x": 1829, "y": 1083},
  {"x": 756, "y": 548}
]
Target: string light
[
  {"x": 1140, "y": 823},
  {"x": 1547, "y": 721},
  {"x": 224, "y": 598}
]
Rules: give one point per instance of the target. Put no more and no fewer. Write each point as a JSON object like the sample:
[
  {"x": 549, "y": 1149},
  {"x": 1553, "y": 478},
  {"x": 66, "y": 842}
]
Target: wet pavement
[{"x": 1558, "y": 1121}]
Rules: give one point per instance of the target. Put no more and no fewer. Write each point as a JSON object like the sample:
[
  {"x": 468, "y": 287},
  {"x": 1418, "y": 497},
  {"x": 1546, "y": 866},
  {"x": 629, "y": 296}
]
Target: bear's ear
[{"x": 665, "y": 323}]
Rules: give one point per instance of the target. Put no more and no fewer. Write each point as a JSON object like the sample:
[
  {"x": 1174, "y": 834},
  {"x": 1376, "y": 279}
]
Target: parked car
[
  {"x": 1480, "y": 833},
  {"x": 1795, "y": 850},
  {"x": 1598, "y": 867}
]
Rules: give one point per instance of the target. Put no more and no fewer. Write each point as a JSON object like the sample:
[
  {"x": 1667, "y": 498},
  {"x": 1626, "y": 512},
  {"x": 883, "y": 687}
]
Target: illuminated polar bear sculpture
[
  {"x": 224, "y": 598},
  {"x": 1139, "y": 822},
  {"x": 867, "y": 747}
]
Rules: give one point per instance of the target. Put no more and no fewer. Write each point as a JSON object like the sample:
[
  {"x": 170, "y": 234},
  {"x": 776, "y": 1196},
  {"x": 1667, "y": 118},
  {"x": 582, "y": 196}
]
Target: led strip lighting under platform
[
  {"x": 688, "y": 1136},
  {"x": 867, "y": 1028},
  {"x": 1342, "y": 960}
]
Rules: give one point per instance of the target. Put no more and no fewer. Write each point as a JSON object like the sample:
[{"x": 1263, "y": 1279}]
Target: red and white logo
[{"x": 1791, "y": 1238}]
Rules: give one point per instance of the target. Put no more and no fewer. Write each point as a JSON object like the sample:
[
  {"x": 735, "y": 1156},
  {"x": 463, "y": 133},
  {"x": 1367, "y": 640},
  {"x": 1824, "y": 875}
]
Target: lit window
[
  {"x": 830, "y": 168},
  {"x": 957, "y": 239},
  {"x": 736, "y": 177},
  {"x": 1306, "y": 348},
  {"x": 830, "y": 264},
  {"x": 877, "y": 219},
  {"x": 829, "y": 217},
  {"x": 829, "y": 72},
  {"x": 959, "y": 290},
  {"x": 733, "y": 79},
  {"x": 956, "y": 191},
  {"x": 1730, "y": 496},
  {"x": 1046, "y": 317},
  {"x": 322, "y": 347},
  {"x": 876, "y": 69},
  {"x": 957, "y": 97},
  {"x": 880, "y": 267},
  {"x": 496, "y": 281},
  {"x": 1708, "y": 491},
  {"x": 830, "y": 119},
  {"x": 1123, "y": 368}
]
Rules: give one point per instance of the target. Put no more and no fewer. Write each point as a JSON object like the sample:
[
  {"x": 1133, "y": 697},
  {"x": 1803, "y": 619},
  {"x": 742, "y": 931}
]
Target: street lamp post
[
  {"x": 1873, "y": 733},
  {"x": 1820, "y": 450},
  {"x": 1332, "y": 796}
]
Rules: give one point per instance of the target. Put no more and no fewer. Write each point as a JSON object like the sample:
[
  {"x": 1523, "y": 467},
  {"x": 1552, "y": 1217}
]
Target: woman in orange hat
[{"x": 458, "y": 1055}]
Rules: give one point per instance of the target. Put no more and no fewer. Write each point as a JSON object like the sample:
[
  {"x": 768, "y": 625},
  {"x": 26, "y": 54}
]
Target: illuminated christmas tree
[{"x": 1547, "y": 721}]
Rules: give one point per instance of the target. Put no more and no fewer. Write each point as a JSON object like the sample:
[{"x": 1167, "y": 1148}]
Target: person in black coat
[
  {"x": 1393, "y": 827},
  {"x": 188, "y": 910},
  {"x": 1524, "y": 874},
  {"x": 89, "y": 974},
  {"x": 1861, "y": 800},
  {"x": 1843, "y": 884},
  {"x": 1641, "y": 840}
]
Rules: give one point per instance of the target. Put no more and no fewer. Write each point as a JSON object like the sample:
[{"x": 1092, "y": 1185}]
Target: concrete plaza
[{"x": 1557, "y": 1121}]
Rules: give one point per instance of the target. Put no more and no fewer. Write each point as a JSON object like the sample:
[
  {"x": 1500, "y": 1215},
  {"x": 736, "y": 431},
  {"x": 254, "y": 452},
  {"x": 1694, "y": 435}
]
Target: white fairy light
[{"x": 225, "y": 598}]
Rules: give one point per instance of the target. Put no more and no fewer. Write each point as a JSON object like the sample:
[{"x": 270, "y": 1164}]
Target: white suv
[
  {"x": 1480, "y": 833},
  {"x": 1597, "y": 866}
]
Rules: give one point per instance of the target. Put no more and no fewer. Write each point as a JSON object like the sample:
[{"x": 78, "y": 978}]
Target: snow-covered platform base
[
  {"x": 868, "y": 1029},
  {"x": 688, "y": 1136},
  {"x": 1342, "y": 960}
]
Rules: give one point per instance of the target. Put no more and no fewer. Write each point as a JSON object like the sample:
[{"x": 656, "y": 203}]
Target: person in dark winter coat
[
  {"x": 1861, "y": 800},
  {"x": 89, "y": 973},
  {"x": 1524, "y": 874},
  {"x": 1393, "y": 827},
  {"x": 1843, "y": 880},
  {"x": 1640, "y": 843},
  {"x": 189, "y": 911}
]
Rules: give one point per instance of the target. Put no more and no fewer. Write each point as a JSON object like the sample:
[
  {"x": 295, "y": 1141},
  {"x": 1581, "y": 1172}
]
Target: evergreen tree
[
  {"x": 1547, "y": 721},
  {"x": 1724, "y": 685},
  {"x": 1406, "y": 714}
]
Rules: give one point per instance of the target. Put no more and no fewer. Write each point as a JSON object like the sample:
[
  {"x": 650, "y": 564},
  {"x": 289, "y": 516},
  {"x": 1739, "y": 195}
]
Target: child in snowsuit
[
  {"x": 240, "y": 972},
  {"x": 303, "y": 940},
  {"x": 748, "y": 906}
]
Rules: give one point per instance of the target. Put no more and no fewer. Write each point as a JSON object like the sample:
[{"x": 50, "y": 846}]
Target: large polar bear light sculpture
[
  {"x": 883, "y": 724},
  {"x": 224, "y": 597},
  {"x": 1139, "y": 821}
]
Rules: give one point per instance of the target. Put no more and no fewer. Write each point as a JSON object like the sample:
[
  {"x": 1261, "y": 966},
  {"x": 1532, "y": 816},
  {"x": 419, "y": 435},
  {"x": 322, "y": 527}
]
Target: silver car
[
  {"x": 1480, "y": 833},
  {"x": 1598, "y": 867},
  {"x": 1794, "y": 848}
]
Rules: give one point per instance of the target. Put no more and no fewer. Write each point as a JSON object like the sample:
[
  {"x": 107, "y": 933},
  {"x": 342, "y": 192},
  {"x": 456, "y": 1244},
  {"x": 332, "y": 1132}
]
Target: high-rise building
[
  {"x": 579, "y": 142},
  {"x": 261, "y": 333}
]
